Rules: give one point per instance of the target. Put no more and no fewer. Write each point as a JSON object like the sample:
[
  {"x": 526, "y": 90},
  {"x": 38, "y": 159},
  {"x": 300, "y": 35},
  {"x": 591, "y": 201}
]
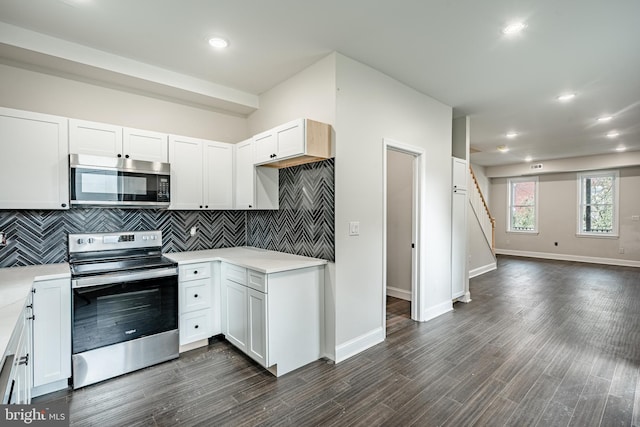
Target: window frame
[
  {"x": 510, "y": 205},
  {"x": 616, "y": 203}
]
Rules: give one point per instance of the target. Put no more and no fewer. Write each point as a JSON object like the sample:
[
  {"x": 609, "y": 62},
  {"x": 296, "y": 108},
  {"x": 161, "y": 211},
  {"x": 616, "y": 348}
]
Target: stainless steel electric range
[{"x": 125, "y": 304}]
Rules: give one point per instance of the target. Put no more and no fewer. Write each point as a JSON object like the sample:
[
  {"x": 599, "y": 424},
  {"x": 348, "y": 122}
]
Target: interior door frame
[{"x": 419, "y": 168}]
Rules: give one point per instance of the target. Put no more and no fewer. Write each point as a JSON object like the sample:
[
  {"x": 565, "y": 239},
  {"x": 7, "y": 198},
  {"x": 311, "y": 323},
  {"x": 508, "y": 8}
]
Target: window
[
  {"x": 523, "y": 205},
  {"x": 598, "y": 203}
]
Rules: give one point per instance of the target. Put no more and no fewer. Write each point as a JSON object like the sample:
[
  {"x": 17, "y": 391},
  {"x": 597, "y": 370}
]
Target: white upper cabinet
[
  {"x": 460, "y": 173},
  {"x": 35, "y": 166},
  {"x": 102, "y": 139},
  {"x": 293, "y": 143},
  {"x": 201, "y": 174},
  {"x": 256, "y": 187},
  {"x": 218, "y": 175},
  {"x": 145, "y": 145}
]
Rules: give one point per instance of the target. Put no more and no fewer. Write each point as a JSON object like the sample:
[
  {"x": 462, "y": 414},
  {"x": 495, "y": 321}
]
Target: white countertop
[
  {"x": 15, "y": 285},
  {"x": 261, "y": 260}
]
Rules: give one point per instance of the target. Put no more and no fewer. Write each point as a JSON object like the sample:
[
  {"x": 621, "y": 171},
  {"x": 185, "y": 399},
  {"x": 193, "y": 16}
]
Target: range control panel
[{"x": 87, "y": 242}]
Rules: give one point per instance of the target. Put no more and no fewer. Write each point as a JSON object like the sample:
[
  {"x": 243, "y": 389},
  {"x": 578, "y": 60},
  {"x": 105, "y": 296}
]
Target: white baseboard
[
  {"x": 466, "y": 298},
  {"x": 399, "y": 293},
  {"x": 50, "y": 388},
  {"x": 482, "y": 269},
  {"x": 566, "y": 257},
  {"x": 435, "y": 311},
  {"x": 359, "y": 344}
]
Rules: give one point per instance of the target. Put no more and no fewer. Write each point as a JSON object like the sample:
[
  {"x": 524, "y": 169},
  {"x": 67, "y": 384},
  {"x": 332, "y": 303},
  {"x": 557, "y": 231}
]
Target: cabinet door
[
  {"x": 291, "y": 139},
  {"x": 35, "y": 161},
  {"x": 185, "y": 156},
  {"x": 145, "y": 145},
  {"x": 257, "y": 345},
  {"x": 218, "y": 175},
  {"x": 51, "y": 331},
  {"x": 460, "y": 173},
  {"x": 245, "y": 176},
  {"x": 266, "y": 147},
  {"x": 98, "y": 139},
  {"x": 458, "y": 244},
  {"x": 236, "y": 314}
]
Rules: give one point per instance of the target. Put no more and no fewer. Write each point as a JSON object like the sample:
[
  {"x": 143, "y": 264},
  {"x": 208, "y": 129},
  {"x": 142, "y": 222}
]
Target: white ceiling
[{"x": 451, "y": 50}]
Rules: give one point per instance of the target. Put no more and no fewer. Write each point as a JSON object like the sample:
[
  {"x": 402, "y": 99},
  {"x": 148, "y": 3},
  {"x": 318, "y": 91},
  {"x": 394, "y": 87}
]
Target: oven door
[
  {"x": 126, "y": 308},
  {"x": 111, "y": 187}
]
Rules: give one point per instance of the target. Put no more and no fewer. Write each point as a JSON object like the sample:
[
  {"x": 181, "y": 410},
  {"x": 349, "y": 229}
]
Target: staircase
[{"x": 482, "y": 258}]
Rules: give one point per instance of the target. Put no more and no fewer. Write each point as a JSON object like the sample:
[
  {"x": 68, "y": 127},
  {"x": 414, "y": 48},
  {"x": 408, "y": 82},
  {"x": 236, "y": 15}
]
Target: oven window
[{"x": 109, "y": 314}]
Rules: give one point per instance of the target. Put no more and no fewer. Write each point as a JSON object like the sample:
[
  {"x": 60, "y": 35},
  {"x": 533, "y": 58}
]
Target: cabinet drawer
[
  {"x": 195, "y": 326},
  {"x": 235, "y": 274},
  {"x": 195, "y": 295},
  {"x": 257, "y": 281},
  {"x": 195, "y": 271}
]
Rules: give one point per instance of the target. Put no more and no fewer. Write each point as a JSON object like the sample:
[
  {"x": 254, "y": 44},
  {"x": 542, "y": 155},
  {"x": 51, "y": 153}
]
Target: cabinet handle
[
  {"x": 250, "y": 206},
  {"x": 31, "y": 317},
  {"x": 64, "y": 205},
  {"x": 206, "y": 207},
  {"x": 196, "y": 326},
  {"x": 200, "y": 206},
  {"x": 24, "y": 360},
  {"x": 30, "y": 306},
  {"x": 195, "y": 296},
  {"x": 127, "y": 156},
  {"x": 119, "y": 155},
  {"x": 195, "y": 271}
]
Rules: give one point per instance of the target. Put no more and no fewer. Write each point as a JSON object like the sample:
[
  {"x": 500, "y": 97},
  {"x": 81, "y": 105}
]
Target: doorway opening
[{"x": 403, "y": 172}]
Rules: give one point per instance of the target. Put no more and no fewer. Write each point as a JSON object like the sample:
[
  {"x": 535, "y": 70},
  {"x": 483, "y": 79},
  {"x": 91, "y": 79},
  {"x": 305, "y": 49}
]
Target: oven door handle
[{"x": 108, "y": 279}]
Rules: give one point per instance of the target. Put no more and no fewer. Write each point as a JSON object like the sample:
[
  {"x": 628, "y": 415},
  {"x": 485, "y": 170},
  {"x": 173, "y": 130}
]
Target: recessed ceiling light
[
  {"x": 528, "y": 159},
  {"x": 218, "y": 42},
  {"x": 605, "y": 118},
  {"x": 514, "y": 28},
  {"x": 503, "y": 148},
  {"x": 621, "y": 148},
  {"x": 566, "y": 97},
  {"x": 511, "y": 135},
  {"x": 613, "y": 134}
]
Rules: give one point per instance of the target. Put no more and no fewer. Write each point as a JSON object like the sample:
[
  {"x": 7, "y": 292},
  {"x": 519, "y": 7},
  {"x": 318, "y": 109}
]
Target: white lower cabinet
[
  {"x": 51, "y": 335},
  {"x": 276, "y": 319},
  {"x": 198, "y": 298},
  {"x": 235, "y": 315},
  {"x": 41, "y": 343},
  {"x": 17, "y": 366},
  {"x": 257, "y": 327}
]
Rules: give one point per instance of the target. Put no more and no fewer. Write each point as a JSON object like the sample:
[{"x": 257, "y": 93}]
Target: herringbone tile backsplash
[
  {"x": 305, "y": 222},
  {"x": 304, "y": 225},
  {"x": 40, "y": 237}
]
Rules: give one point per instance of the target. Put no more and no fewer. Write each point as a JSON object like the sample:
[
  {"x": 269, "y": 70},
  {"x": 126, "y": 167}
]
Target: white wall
[
  {"x": 372, "y": 106},
  {"x": 310, "y": 94},
  {"x": 557, "y": 215},
  {"x": 399, "y": 213},
  {"x": 34, "y": 91}
]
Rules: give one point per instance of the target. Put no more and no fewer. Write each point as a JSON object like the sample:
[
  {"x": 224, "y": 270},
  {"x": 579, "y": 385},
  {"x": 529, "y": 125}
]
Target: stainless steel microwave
[{"x": 97, "y": 181}]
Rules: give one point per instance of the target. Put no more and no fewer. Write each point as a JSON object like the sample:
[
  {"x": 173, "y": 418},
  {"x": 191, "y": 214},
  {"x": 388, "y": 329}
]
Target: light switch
[{"x": 354, "y": 228}]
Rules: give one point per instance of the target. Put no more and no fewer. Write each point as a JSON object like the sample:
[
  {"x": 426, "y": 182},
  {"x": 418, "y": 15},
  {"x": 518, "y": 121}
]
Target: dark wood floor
[{"x": 544, "y": 343}]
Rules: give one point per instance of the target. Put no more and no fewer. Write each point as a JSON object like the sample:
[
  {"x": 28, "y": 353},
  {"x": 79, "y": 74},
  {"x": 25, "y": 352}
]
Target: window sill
[
  {"x": 532, "y": 233},
  {"x": 598, "y": 236}
]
